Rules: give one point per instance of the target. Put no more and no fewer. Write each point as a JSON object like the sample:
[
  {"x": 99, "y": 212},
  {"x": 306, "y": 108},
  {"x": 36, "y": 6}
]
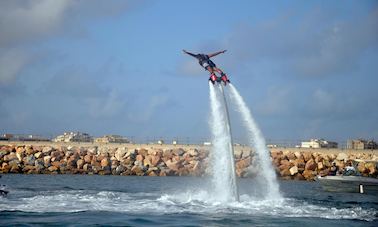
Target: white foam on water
[
  {"x": 199, "y": 202},
  {"x": 274, "y": 208},
  {"x": 266, "y": 176},
  {"x": 221, "y": 156}
]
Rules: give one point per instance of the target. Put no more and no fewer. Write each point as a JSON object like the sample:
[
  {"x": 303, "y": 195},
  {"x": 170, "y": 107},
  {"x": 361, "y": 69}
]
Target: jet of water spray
[
  {"x": 222, "y": 157},
  {"x": 257, "y": 141}
]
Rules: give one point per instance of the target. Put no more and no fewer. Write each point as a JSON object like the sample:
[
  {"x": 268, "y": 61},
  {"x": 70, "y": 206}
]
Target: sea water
[{"x": 81, "y": 200}]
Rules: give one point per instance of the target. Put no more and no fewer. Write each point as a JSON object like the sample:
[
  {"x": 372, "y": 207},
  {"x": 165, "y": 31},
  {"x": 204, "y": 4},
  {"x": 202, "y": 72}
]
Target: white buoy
[{"x": 361, "y": 189}]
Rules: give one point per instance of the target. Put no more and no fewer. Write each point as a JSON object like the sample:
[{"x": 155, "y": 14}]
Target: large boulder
[
  {"x": 244, "y": 163},
  {"x": 56, "y": 155},
  {"x": 143, "y": 152},
  {"x": 178, "y": 151},
  {"x": 167, "y": 153},
  {"x": 298, "y": 176},
  {"x": 140, "y": 158},
  {"x": 47, "y": 160},
  {"x": 342, "y": 157},
  {"x": 293, "y": 170},
  {"x": 39, "y": 165},
  {"x": 87, "y": 167},
  {"x": 193, "y": 152},
  {"x": 10, "y": 157},
  {"x": 307, "y": 156},
  {"x": 276, "y": 154},
  {"x": 362, "y": 168},
  {"x": 309, "y": 174},
  {"x": 311, "y": 165},
  {"x": 300, "y": 163},
  {"x": 92, "y": 150},
  {"x": 71, "y": 162},
  {"x": 105, "y": 162},
  {"x": 88, "y": 158},
  {"x": 238, "y": 153},
  {"x": 155, "y": 160},
  {"x": 56, "y": 164},
  {"x": 47, "y": 150},
  {"x": 38, "y": 154},
  {"x": 80, "y": 163},
  {"x": 173, "y": 165},
  {"x": 29, "y": 160},
  {"x": 321, "y": 166},
  {"x": 137, "y": 170},
  {"x": 291, "y": 156},
  {"x": 120, "y": 153},
  {"x": 246, "y": 154},
  {"x": 120, "y": 169},
  {"x": 372, "y": 168},
  {"x": 298, "y": 155},
  {"x": 285, "y": 173},
  {"x": 53, "y": 168},
  {"x": 147, "y": 160},
  {"x": 2, "y": 154}
]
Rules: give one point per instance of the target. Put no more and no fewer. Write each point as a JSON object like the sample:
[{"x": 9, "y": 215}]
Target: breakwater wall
[{"x": 171, "y": 160}]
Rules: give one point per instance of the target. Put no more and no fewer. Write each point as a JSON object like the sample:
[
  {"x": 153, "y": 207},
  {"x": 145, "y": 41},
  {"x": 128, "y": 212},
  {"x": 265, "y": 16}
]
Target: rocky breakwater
[
  {"x": 105, "y": 161},
  {"x": 306, "y": 165},
  {"x": 289, "y": 164}
]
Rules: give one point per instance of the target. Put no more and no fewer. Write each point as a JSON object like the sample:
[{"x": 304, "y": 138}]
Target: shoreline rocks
[{"x": 290, "y": 165}]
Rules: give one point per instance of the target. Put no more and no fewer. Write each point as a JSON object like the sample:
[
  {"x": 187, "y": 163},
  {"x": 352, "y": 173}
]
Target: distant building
[
  {"x": 160, "y": 142},
  {"x": 6, "y": 136},
  {"x": 112, "y": 139},
  {"x": 361, "y": 144},
  {"x": 74, "y": 137},
  {"x": 318, "y": 143},
  {"x": 22, "y": 137},
  {"x": 36, "y": 138}
]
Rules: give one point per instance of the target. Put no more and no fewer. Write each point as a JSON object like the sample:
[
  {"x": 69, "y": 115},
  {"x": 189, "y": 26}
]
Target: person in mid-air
[{"x": 209, "y": 65}]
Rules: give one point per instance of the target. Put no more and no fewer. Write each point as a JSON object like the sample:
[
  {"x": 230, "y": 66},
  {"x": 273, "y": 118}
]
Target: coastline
[{"x": 32, "y": 157}]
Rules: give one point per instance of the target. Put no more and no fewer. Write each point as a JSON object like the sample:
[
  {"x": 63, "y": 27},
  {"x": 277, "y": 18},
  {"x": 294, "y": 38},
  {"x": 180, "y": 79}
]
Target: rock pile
[
  {"x": 298, "y": 165},
  {"x": 306, "y": 165},
  {"x": 104, "y": 161}
]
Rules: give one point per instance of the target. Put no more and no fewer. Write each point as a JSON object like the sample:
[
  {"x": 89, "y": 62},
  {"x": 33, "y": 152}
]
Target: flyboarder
[{"x": 209, "y": 65}]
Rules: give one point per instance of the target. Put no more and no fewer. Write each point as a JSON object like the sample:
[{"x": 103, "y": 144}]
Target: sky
[{"x": 307, "y": 69}]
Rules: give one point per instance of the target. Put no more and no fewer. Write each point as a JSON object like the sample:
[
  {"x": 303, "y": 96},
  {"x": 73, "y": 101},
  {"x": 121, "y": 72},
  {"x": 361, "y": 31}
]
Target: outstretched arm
[
  {"x": 191, "y": 54},
  {"x": 216, "y": 53}
]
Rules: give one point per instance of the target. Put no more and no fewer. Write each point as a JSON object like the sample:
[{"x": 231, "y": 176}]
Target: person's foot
[{"x": 213, "y": 78}]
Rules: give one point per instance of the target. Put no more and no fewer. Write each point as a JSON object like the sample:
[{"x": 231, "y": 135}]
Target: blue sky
[{"x": 307, "y": 69}]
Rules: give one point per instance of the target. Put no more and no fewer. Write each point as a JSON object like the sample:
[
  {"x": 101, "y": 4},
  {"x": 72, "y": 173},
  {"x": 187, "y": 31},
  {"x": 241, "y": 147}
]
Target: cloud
[
  {"x": 317, "y": 45},
  {"x": 81, "y": 89},
  {"x": 146, "y": 111},
  {"x": 27, "y": 20},
  {"x": 12, "y": 61},
  {"x": 190, "y": 67},
  {"x": 26, "y": 24},
  {"x": 105, "y": 106},
  {"x": 277, "y": 101}
]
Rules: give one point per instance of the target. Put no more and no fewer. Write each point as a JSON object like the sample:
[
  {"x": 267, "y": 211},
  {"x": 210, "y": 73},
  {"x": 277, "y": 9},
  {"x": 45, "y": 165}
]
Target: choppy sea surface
[{"x": 82, "y": 200}]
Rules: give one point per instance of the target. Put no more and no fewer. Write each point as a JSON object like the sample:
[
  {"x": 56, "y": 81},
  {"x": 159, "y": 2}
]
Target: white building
[
  {"x": 74, "y": 137},
  {"x": 112, "y": 139},
  {"x": 318, "y": 143}
]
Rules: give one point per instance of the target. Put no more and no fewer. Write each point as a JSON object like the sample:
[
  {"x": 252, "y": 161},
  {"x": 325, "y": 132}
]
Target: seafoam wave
[{"x": 194, "y": 202}]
